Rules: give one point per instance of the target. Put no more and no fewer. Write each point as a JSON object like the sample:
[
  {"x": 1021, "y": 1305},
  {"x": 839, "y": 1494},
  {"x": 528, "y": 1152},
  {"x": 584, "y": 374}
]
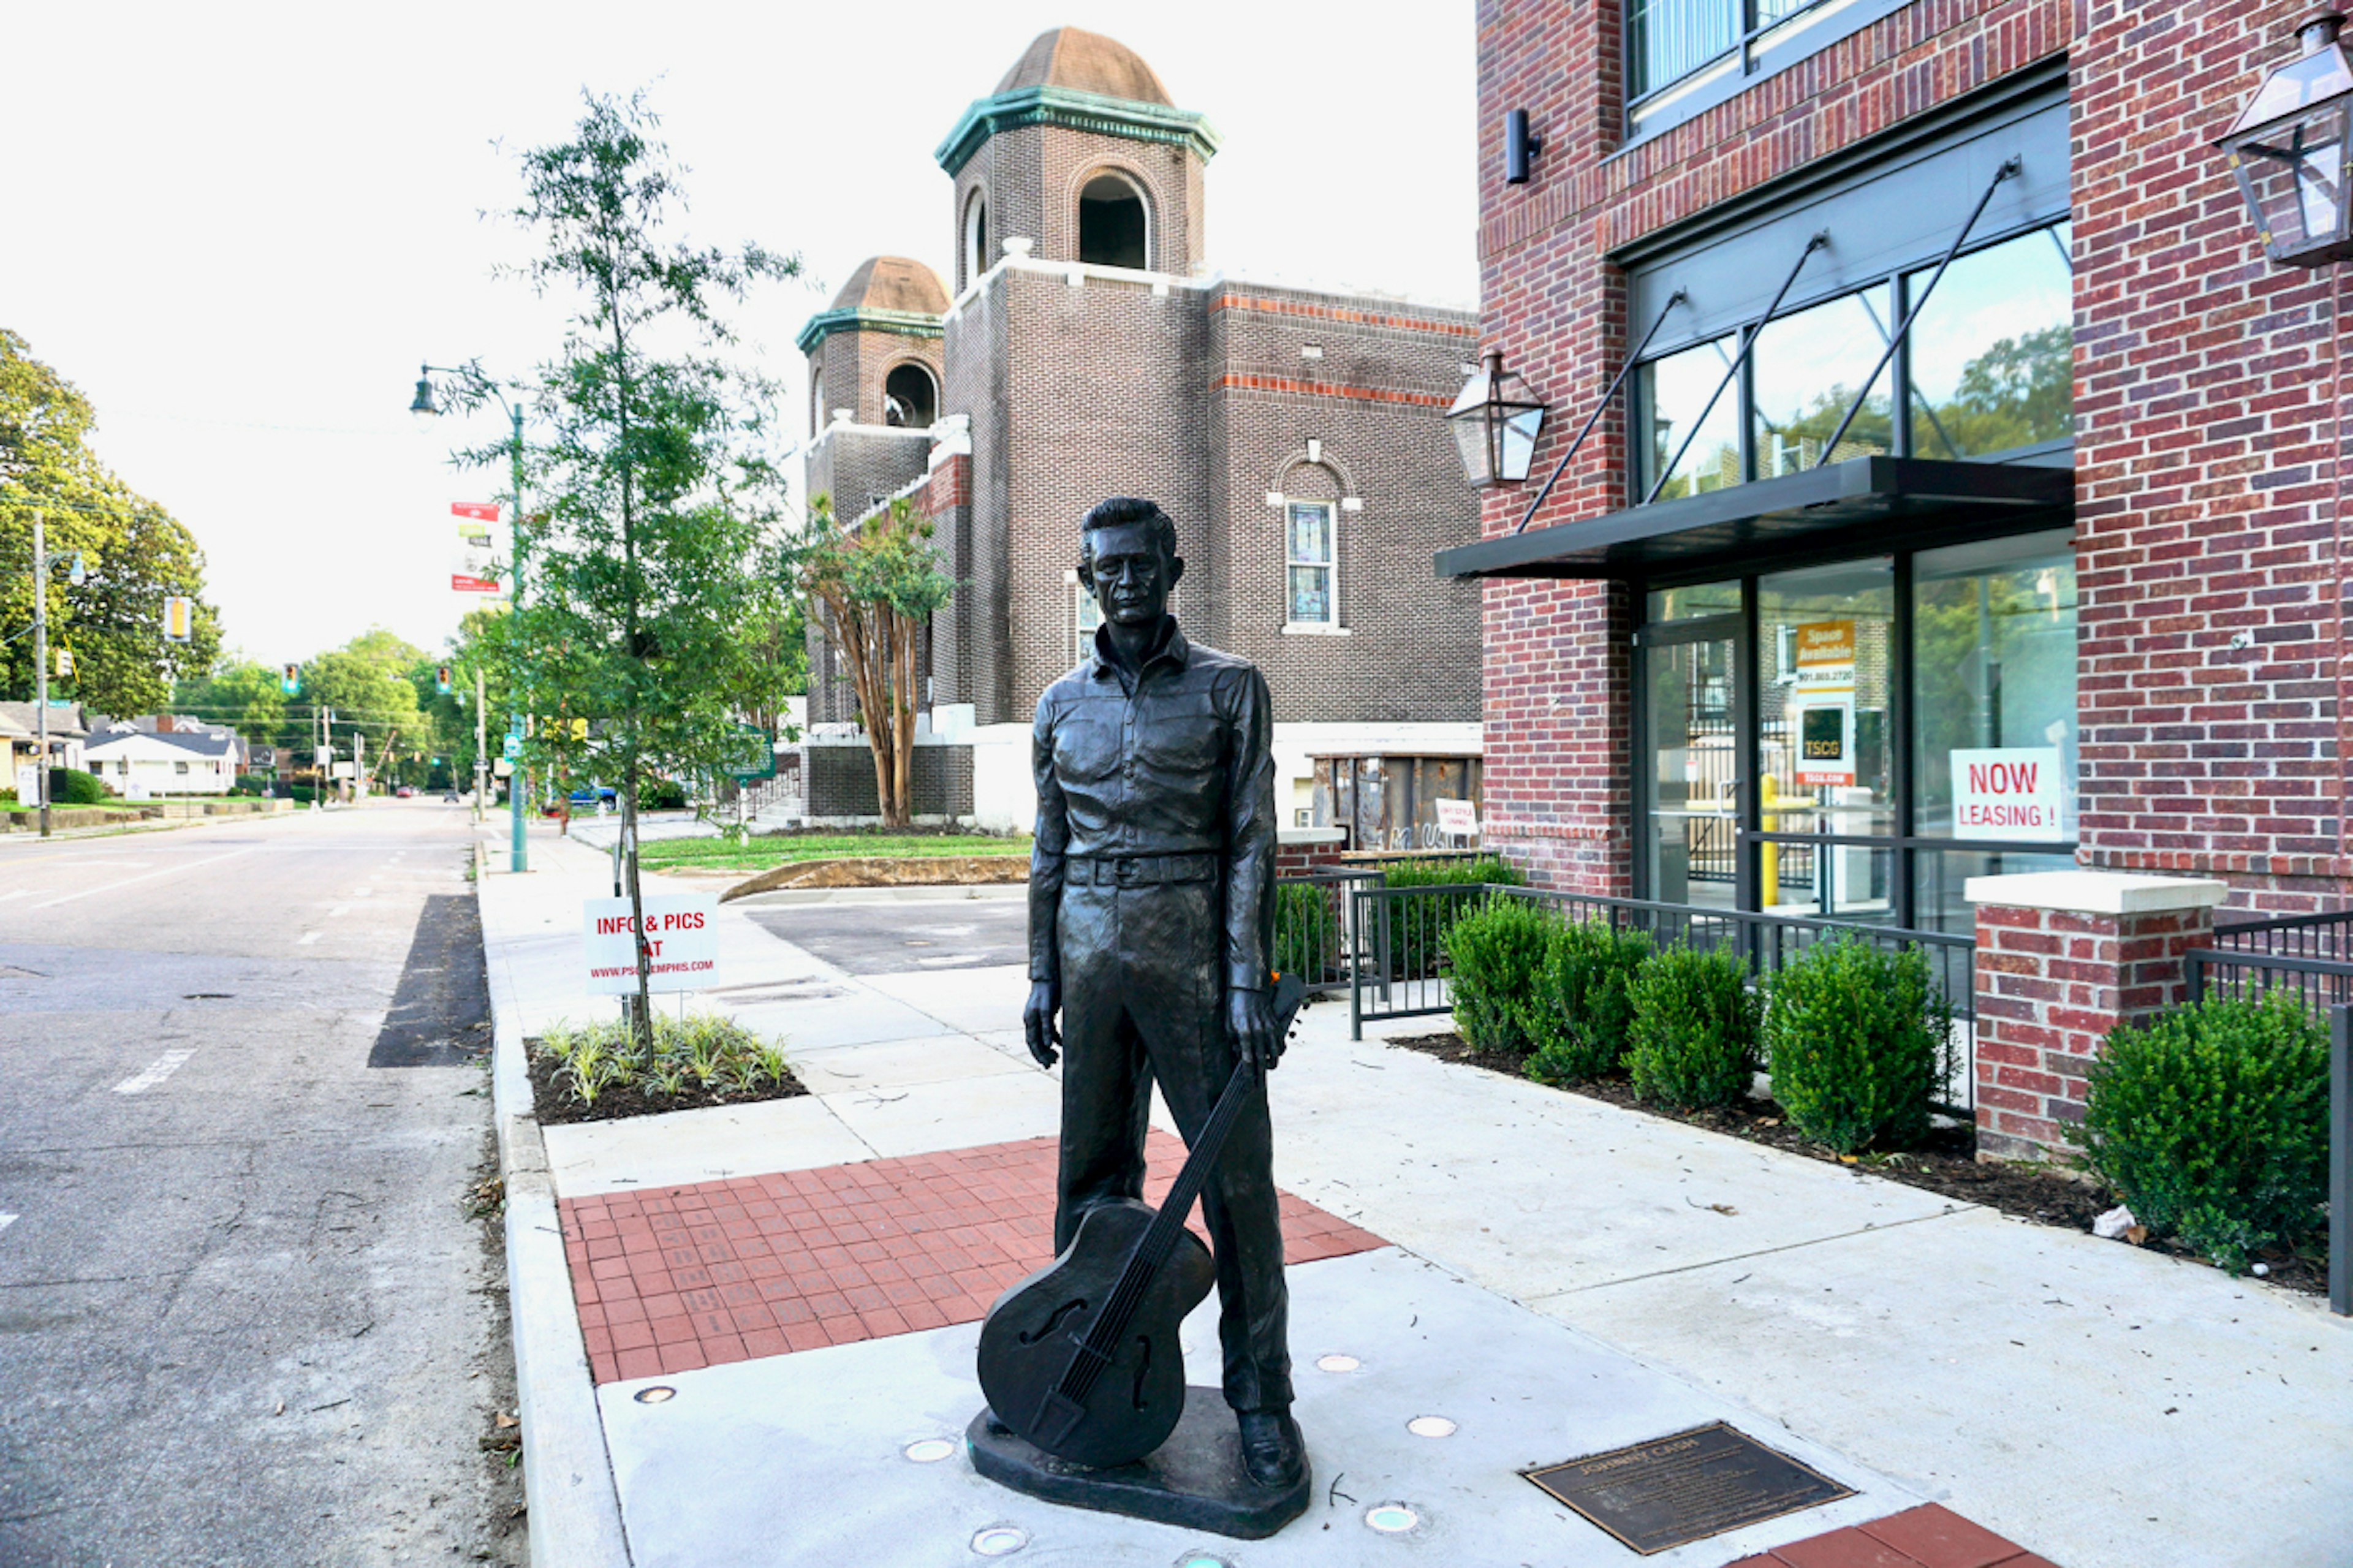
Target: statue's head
[{"x": 1128, "y": 560}]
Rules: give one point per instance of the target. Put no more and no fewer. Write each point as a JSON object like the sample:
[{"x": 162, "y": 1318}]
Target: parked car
[{"x": 404, "y": 792}]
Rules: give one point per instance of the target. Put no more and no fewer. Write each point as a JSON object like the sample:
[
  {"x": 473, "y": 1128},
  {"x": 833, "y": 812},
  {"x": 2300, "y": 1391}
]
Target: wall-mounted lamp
[
  {"x": 1495, "y": 421},
  {"x": 1521, "y": 145},
  {"x": 2291, "y": 153}
]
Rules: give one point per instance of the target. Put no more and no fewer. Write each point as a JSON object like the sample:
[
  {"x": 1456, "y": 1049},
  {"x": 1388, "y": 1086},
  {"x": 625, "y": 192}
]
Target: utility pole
[
  {"x": 518, "y": 858},
  {"x": 41, "y": 672},
  {"x": 359, "y": 764},
  {"x": 482, "y": 741}
]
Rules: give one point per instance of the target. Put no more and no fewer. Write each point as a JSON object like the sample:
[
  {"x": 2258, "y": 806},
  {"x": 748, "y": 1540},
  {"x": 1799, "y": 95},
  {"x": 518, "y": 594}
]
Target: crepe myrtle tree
[
  {"x": 872, "y": 585},
  {"x": 646, "y": 571}
]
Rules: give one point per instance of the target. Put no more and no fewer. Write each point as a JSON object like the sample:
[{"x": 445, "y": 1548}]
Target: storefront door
[{"x": 1690, "y": 836}]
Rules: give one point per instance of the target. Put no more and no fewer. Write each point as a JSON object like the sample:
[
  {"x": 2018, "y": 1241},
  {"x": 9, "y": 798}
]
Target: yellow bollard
[{"x": 1768, "y": 795}]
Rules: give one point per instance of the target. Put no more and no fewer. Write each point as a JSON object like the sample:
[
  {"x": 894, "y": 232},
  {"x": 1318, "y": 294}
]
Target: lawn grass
[{"x": 783, "y": 848}]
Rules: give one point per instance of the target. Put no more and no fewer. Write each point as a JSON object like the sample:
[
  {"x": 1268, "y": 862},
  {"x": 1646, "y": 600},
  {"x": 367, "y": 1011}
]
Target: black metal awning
[{"x": 1813, "y": 509}]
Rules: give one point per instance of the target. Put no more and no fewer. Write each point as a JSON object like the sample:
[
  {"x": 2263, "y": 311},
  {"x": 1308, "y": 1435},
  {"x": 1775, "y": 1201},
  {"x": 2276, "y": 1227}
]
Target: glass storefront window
[
  {"x": 1825, "y": 673},
  {"x": 1696, "y": 601},
  {"x": 1673, "y": 390},
  {"x": 1992, "y": 354},
  {"x": 1808, "y": 367},
  {"x": 1940, "y": 876},
  {"x": 1993, "y": 630}
]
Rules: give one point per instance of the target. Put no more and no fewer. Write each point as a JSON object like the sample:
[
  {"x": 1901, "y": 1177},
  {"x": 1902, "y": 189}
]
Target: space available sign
[
  {"x": 1823, "y": 704},
  {"x": 473, "y": 571},
  {"x": 681, "y": 945},
  {"x": 2014, "y": 791}
]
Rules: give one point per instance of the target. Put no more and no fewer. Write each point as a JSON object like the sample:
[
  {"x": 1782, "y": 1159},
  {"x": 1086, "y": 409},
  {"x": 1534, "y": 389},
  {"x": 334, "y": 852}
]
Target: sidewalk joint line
[{"x": 1760, "y": 1252}]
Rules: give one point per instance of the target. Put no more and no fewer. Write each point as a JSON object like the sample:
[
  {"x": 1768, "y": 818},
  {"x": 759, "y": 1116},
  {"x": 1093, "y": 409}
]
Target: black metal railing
[
  {"x": 1312, "y": 926},
  {"x": 2327, "y": 936},
  {"x": 2319, "y": 984},
  {"x": 1400, "y": 961}
]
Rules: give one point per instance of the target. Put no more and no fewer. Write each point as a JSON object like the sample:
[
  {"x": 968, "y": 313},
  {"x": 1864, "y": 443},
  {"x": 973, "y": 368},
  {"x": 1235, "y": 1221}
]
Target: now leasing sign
[
  {"x": 681, "y": 945},
  {"x": 2012, "y": 791}
]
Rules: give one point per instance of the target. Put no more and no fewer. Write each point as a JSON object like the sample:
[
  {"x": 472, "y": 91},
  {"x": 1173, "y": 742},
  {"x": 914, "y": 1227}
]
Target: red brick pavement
[
  {"x": 678, "y": 1278},
  {"x": 1927, "y": 1537}
]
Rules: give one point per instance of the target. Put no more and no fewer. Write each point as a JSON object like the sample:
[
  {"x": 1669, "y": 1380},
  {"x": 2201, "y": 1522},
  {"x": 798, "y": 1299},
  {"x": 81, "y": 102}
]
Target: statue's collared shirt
[{"x": 1175, "y": 758}]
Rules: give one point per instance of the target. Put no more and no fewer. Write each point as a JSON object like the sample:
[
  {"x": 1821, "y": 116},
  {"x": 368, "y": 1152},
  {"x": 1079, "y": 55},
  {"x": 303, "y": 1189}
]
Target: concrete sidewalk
[{"x": 1553, "y": 1275}]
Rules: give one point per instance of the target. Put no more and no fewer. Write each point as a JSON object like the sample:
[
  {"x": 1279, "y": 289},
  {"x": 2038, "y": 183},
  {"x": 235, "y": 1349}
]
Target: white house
[{"x": 135, "y": 762}]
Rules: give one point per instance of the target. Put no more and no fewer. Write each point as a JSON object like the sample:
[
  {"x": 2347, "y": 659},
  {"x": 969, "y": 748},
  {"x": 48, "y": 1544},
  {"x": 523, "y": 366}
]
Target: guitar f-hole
[
  {"x": 1053, "y": 1322},
  {"x": 1143, "y": 1367}
]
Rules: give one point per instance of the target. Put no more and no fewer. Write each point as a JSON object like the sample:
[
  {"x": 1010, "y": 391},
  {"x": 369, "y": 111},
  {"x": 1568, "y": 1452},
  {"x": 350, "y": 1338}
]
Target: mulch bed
[
  {"x": 1946, "y": 1163},
  {"x": 553, "y": 1104}
]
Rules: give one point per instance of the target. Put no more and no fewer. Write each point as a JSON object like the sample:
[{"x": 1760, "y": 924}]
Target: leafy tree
[
  {"x": 652, "y": 490},
  {"x": 366, "y": 683},
  {"x": 240, "y": 694},
  {"x": 875, "y": 584},
  {"x": 134, "y": 553}
]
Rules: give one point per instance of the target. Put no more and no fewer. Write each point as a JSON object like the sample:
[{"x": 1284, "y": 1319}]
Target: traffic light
[
  {"x": 441, "y": 680},
  {"x": 290, "y": 679},
  {"x": 65, "y": 662},
  {"x": 179, "y": 618}
]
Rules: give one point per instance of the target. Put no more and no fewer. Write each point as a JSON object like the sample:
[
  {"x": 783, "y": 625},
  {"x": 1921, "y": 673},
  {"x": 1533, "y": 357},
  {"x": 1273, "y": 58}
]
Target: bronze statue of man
[{"x": 1151, "y": 924}]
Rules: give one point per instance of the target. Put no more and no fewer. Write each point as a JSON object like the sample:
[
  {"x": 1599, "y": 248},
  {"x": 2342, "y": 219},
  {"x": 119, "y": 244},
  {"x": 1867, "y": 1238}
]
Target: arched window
[
  {"x": 976, "y": 240},
  {"x": 1113, "y": 223},
  {"x": 911, "y": 399},
  {"x": 816, "y": 400}
]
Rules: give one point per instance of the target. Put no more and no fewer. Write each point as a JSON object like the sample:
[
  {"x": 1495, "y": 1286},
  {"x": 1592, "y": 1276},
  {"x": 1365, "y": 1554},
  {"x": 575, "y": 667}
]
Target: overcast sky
[{"x": 239, "y": 228}]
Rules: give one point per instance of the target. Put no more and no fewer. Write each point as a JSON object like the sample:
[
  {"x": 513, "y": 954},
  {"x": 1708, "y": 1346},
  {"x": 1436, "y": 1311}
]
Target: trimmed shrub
[
  {"x": 250, "y": 784},
  {"x": 72, "y": 787},
  {"x": 1853, "y": 1032},
  {"x": 661, "y": 795},
  {"x": 1495, "y": 953},
  {"x": 1416, "y": 927},
  {"x": 1578, "y": 1013},
  {"x": 2212, "y": 1123},
  {"x": 1694, "y": 1028},
  {"x": 1307, "y": 930}
]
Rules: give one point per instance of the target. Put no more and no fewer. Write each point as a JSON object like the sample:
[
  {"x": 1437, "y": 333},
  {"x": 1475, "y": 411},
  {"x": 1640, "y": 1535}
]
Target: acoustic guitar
[{"x": 1081, "y": 1359}]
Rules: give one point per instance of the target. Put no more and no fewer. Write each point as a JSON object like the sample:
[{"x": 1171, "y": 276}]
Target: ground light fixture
[
  {"x": 999, "y": 1540},
  {"x": 2292, "y": 153},
  {"x": 1392, "y": 1518},
  {"x": 1495, "y": 420}
]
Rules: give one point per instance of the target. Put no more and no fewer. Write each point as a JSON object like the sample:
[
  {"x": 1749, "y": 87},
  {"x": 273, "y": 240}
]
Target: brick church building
[
  {"x": 1087, "y": 349},
  {"x": 1966, "y": 497}
]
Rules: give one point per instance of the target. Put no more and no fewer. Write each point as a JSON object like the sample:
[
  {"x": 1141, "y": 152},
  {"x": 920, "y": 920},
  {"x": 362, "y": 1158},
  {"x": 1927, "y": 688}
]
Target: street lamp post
[{"x": 423, "y": 404}]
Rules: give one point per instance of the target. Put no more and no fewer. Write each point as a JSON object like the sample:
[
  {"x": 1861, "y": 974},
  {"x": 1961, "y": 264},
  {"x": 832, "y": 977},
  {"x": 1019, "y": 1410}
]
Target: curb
[{"x": 567, "y": 1473}]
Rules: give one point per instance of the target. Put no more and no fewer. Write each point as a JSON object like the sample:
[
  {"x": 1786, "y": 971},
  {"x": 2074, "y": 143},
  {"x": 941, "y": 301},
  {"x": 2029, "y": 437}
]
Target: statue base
[{"x": 1195, "y": 1481}]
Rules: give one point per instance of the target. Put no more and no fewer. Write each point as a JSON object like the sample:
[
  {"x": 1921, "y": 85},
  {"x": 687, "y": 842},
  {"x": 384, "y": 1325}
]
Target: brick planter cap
[{"x": 2096, "y": 892}]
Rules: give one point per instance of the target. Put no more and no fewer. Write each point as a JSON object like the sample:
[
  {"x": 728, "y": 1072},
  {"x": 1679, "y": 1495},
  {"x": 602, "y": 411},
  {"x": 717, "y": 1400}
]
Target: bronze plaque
[{"x": 1673, "y": 1491}]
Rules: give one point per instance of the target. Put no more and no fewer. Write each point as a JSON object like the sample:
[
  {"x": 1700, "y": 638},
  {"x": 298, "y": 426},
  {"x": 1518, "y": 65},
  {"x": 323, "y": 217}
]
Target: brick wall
[
  {"x": 840, "y": 781},
  {"x": 2209, "y": 503},
  {"x": 856, "y": 364}
]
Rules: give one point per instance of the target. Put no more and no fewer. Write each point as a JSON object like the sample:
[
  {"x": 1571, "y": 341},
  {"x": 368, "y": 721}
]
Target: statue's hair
[{"x": 1121, "y": 509}]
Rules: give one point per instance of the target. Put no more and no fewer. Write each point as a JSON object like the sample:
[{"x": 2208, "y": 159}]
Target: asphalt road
[
  {"x": 244, "y": 1317},
  {"x": 895, "y": 936}
]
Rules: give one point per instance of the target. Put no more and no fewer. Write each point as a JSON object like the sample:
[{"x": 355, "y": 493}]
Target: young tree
[
  {"x": 651, "y": 488},
  {"x": 875, "y": 585}
]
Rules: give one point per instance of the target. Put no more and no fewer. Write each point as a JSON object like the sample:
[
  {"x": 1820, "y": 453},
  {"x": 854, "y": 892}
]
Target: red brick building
[
  {"x": 2111, "y": 438},
  {"x": 1972, "y": 504}
]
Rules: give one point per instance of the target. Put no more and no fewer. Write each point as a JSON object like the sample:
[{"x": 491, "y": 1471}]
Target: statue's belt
[{"x": 1138, "y": 870}]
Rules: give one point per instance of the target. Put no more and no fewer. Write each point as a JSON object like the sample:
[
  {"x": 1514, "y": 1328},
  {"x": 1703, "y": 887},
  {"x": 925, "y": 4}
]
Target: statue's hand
[
  {"x": 1038, "y": 1020},
  {"x": 1250, "y": 1019}
]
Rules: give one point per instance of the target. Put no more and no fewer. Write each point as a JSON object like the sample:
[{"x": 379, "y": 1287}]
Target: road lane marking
[
  {"x": 162, "y": 1067},
  {"x": 128, "y": 882},
  {"x": 307, "y": 938},
  {"x": 338, "y": 910},
  {"x": 6, "y": 1220},
  {"x": 126, "y": 865},
  {"x": 362, "y": 892}
]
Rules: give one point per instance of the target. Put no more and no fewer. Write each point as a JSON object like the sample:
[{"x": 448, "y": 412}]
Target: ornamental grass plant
[
  {"x": 1579, "y": 1009},
  {"x": 1694, "y": 1028},
  {"x": 2212, "y": 1123},
  {"x": 1854, "y": 1034},
  {"x": 1494, "y": 954},
  {"x": 701, "y": 1054}
]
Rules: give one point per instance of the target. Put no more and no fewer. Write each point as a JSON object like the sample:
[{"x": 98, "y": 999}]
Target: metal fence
[
  {"x": 2308, "y": 955},
  {"x": 1313, "y": 924}
]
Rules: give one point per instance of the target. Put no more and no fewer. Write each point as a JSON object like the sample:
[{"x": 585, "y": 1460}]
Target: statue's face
[{"x": 1128, "y": 575}]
